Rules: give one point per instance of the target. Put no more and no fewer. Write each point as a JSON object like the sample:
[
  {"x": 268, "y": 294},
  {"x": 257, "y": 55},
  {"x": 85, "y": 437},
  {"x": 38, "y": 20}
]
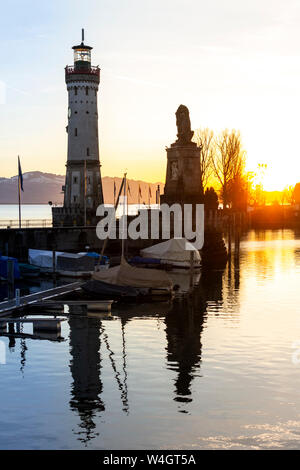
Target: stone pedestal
[{"x": 183, "y": 175}]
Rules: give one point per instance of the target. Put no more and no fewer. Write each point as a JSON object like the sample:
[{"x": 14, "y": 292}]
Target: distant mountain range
[{"x": 40, "y": 188}]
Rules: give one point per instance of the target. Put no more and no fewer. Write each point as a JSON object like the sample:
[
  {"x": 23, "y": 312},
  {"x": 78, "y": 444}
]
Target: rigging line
[
  {"x": 117, "y": 374},
  {"x": 124, "y": 363},
  {"x": 23, "y": 352}
]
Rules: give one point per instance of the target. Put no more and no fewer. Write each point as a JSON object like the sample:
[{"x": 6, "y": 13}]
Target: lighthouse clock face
[{"x": 69, "y": 113}]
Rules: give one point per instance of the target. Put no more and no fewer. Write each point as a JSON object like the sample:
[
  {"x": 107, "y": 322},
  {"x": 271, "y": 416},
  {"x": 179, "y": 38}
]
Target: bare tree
[
  {"x": 288, "y": 195},
  {"x": 205, "y": 140},
  {"x": 228, "y": 162}
]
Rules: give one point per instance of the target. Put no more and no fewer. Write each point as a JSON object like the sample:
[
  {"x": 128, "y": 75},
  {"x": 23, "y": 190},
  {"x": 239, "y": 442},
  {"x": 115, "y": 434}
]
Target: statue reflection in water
[
  {"x": 85, "y": 366},
  {"x": 184, "y": 326}
]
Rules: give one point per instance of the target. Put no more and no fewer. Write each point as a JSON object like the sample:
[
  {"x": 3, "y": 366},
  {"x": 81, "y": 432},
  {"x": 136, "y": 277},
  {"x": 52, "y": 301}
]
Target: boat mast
[
  {"x": 19, "y": 192},
  {"x": 109, "y": 228},
  {"x": 124, "y": 218}
]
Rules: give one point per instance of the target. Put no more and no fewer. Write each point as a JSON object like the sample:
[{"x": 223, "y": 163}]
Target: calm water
[
  {"x": 29, "y": 211},
  {"x": 217, "y": 373}
]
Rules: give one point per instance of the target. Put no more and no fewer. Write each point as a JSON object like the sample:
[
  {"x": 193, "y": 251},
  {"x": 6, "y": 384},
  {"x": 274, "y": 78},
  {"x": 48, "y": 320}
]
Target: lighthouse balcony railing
[{"x": 90, "y": 71}]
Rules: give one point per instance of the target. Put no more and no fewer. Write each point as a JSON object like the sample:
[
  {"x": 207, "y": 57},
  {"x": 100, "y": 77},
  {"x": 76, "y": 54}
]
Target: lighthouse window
[
  {"x": 75, "y": 131},
  {"x": 88, "y": 152},
  {"x": 75, "y": 180},
  {"x": 75, "y": 89},
  {"x": 74, "y": 198},
  {"x": 86, "y": 90}
]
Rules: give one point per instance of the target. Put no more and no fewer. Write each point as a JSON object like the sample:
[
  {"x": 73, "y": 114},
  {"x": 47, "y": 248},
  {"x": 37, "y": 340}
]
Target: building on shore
[{"x": 83, "y": 185}]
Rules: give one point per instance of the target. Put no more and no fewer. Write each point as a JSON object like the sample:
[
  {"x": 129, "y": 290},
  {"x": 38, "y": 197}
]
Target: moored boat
[
  {"x": 4, "y": 267},
  {"x": 175, "y": 253},
  {"x": 124, "y": 282},
  {"x": 29, "y": 271},
  {"x": 101, "y": 289},
  {"x": 66, "y": 264}
]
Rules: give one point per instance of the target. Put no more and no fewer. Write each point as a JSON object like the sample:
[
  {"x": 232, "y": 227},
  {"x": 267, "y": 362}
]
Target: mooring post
[
  {"x": 237, "y": 235},
  {"x": 191, "y": 270},
  {"x": 229, "y": 235},
  {"x": 11, "y": 327},
  {"x": 54, "y": 263},
  {"x": 17, "y": 297},
  {"x": 11, "y": 330},
  {"x": 10, "y": 278}
]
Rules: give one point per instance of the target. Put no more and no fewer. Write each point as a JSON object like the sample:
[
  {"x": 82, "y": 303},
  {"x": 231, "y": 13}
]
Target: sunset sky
[{"x": 235, "y": 64}]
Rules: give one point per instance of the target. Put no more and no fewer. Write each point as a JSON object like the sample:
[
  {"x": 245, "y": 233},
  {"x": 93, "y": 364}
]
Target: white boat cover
[
  {"x": 126, "y": 275},
  {"x": 44, "y": 258},
  {"x": 175, "y": 250}
]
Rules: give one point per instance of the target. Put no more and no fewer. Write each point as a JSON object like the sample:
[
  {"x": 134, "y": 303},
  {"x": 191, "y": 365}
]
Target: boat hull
[{"x": 104, "y": 290}]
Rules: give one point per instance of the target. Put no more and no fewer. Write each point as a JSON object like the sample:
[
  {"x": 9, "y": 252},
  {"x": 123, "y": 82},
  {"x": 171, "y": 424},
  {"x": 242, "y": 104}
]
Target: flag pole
[
  {"x": 139, "y": 197},
  {"x": 127, "y": 198},
  {"x": 19, "y": 194},
  {"x": 158, "y": 195}
]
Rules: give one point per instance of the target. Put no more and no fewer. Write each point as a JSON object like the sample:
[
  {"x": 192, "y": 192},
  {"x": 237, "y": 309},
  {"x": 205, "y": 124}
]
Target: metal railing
[
  {"x": 91, "y": 71},
  {"x": 26, "y": 223}
]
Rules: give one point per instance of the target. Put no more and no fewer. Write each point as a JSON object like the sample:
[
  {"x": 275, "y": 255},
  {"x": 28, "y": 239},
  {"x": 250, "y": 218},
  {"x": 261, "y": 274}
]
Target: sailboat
[{"x": 125, "y": 282}]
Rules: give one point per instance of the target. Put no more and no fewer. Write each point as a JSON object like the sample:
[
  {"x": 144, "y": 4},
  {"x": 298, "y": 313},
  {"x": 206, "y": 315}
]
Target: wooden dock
[
  {"x": 9, "y": 306},
  {"x": 31, "y": 320},
  {"x": 48, "y": 324},
  {"x": 91, "y": 305},
  {"x": 40, "y": 335}
]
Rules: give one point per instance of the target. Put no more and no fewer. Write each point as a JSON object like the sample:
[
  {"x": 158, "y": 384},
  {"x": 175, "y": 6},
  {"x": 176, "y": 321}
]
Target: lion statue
[{"x": 184, "y": 132}]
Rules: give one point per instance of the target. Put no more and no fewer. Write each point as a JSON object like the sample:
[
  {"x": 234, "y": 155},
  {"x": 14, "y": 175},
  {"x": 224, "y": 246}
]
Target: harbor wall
[{"x": 17, "y": 242}]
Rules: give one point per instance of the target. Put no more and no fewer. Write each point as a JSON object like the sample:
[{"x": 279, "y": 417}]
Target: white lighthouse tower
[{"x": 83, "y": 186}]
